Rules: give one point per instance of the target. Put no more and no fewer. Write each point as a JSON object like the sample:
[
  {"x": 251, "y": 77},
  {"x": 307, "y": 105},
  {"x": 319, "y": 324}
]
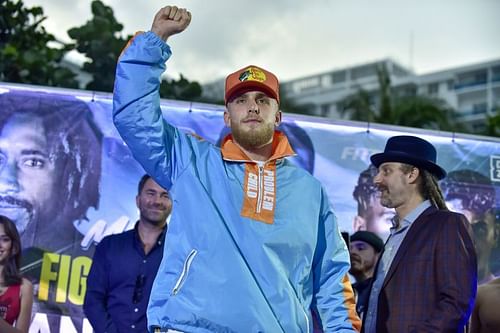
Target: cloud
[{"x": 299, "y": 38}]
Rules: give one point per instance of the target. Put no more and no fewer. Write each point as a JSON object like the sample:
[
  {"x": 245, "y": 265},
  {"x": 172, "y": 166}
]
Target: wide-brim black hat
[{"x": 410, "y": 150}]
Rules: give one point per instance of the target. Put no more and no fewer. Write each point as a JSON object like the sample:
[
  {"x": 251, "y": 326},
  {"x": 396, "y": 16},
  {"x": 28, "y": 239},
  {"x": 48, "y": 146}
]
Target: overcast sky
[{"x": 296, "y": 38}]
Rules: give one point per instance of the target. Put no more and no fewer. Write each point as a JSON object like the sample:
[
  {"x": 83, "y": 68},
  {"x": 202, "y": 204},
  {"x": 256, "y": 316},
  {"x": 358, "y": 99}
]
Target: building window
[
  {"x": 450, "y": 84},
  {"x": 325, "y": 110},
  {"x": 472, "y": 79},
  {"x": 339, "y": 77},
  {"x": 363, "y": 71},
  {"x": 433, "y": 88},
  {"x": 479, "y": 108},
  {"x": 495, "y": 77}
]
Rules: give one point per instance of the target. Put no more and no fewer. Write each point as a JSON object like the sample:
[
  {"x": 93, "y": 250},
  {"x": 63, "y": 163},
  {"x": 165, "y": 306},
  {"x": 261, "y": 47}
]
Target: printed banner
[{"x": 67, "y": 180}]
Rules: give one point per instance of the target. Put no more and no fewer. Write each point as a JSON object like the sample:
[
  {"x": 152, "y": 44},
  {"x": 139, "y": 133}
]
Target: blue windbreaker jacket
[{"x": 249, "y": 248}]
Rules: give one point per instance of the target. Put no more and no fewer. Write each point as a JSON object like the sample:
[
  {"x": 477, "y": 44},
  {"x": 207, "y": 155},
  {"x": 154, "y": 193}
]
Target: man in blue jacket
[{"x": 253, "y": 243}]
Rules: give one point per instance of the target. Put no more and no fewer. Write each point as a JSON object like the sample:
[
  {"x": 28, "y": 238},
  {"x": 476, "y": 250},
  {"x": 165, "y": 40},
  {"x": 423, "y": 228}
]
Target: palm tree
[
  {"x": 493, "y": 124},
  {"x": 359, "y": 106},
  {"x": 422, "y": 112},
  {"x": 386, "y": 107}
]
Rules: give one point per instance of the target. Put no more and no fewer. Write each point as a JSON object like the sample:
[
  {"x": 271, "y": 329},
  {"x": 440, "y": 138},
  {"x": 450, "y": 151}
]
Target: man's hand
[{"x": 169, "y": 21}]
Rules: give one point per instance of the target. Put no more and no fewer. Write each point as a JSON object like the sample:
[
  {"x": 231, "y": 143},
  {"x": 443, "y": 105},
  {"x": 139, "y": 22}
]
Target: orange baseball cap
[{"x": 252, "y": 78}]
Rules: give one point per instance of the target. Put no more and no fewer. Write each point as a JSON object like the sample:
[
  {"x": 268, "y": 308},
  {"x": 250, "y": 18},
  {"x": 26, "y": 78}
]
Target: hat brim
[
  {"x": 249, "y": 86},
  {"x": 380, "y": 158}
]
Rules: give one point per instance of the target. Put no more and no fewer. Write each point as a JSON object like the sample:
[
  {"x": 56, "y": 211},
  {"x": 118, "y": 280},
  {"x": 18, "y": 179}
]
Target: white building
[{"x": 473, "y": 91}]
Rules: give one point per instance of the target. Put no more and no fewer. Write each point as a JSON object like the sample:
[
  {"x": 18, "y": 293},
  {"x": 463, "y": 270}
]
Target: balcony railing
[
  {"x": 459, "y": 85},
  {"x": 475, "y": 112}
]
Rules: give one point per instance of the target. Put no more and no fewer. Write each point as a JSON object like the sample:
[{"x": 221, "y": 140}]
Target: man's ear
[
  {"x": 358, "y": 223},
  {"x": 227, "y": 118},
  {"x": 413, "y": 175},
  {"x": 137, "y": 201},
  {"x": 278, "y": 117}
]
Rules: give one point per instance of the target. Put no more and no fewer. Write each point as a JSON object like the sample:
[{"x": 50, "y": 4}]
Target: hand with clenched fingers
[{"x": 170, "y": 20}]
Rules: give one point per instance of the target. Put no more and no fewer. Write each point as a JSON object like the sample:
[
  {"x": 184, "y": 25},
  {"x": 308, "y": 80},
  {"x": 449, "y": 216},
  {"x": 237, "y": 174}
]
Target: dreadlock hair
[{"x": 428, "y": 186}]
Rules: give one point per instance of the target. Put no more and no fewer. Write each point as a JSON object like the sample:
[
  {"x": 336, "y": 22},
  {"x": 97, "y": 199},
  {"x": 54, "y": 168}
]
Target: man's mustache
[
  {"x": 356, "y": 257},
  {"x": 158, "y": 206},
  {"x": 252, "y": 118},
  {"x": 13, "y": 201},
  {"x": 380, "y": 189}
]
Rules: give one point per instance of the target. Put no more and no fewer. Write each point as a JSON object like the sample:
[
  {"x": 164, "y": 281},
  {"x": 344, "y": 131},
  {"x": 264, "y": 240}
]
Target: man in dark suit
[{"x": 426, "y": 278}]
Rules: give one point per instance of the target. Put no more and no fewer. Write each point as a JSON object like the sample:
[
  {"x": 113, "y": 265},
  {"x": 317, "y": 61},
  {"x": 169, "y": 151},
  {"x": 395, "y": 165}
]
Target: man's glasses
[{"x": 139, "y": 284}]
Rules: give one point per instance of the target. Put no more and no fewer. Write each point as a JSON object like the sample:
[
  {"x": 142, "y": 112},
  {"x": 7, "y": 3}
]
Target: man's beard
[
  {"x": 385, "y": 198},
  {"x": 252, "y": 139},
  {"x": 356, "y": 266},
  {"x": 154, "y": 218}
]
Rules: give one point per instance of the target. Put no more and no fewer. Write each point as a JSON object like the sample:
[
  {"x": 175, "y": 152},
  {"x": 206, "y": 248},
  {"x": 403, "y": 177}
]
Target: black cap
[{"x": 370, "y": 238}]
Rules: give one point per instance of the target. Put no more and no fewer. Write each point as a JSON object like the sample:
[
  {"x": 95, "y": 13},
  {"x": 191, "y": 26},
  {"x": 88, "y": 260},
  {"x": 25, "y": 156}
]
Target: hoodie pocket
[{"x": 185, "y": 270}]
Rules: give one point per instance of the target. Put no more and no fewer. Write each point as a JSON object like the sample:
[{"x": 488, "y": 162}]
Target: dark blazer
[{"x": 431, "y": 284}]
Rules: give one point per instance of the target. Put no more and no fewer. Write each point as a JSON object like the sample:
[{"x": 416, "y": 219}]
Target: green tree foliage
[
  {"x": 387, "y": 107},
  {"x": 180, "y": 89},
  {"x": 424, "y": 112},
  {"x": 25, "y": 54},
  {"x": 359, "y": 106},
  {"x": 493, "y": 124},
  {"x": 100, "y": 40}
]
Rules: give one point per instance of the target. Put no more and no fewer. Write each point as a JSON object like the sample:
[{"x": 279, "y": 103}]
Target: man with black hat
[
  {"x": 364, "y": 248},
  {"x": 426, "y": 278}
]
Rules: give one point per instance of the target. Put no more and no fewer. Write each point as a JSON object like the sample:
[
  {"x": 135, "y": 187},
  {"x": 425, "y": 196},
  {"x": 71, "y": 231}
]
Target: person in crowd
[
  {"x": 364, "y": 248},
  {"x": 50, "y": 166},
  {"x": 125, "y": 264},
  {"x": 253, "y": 242},
  {"x": 16, "y": 292},
  {"x": 472, "y": 194},
  {"x": 485, "y": 318},
  {"x": 426, "y": 278},
  {"x": 372, "y": 216}
]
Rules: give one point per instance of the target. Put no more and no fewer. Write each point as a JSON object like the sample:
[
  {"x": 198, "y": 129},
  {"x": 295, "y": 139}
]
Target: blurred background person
[
  {"x": 50, "y": 166},
  {"x": 364, "y": 249},
  {"x": 472, "y": 194},
  {"x": 125, "y": 265},
  {"x": 485, "y": 318},
  {"x": 16, "y": 292},
  {"x": 372, "y": 216}
]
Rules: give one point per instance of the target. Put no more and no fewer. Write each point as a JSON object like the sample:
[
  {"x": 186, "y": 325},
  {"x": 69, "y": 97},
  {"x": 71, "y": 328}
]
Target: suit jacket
[{"x": 432, "y": 281}]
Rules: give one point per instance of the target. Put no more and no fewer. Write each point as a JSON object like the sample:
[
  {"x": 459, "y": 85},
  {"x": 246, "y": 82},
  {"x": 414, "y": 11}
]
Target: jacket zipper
[
  {"x": 185, "y": 271},
  {"x": 260, "y": 181}
]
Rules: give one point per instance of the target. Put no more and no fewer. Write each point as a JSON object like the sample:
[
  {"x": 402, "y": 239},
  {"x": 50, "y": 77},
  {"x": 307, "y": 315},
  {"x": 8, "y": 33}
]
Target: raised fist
[{"x": 169, "y": 21}]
